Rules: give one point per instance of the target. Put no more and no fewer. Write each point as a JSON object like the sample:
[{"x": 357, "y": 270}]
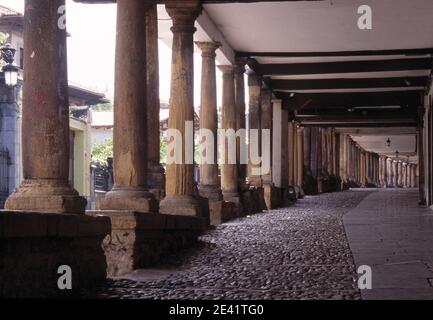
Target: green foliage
[
  {"x": 102, "y": 151},
  {"x": 3, "y": 38},
  {"x": 163, "y": 150},
  {"x": 103, "y": 107}
]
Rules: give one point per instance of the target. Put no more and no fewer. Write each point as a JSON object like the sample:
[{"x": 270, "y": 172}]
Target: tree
[
  {"x": 3, "y": 38},
  {"x": 103, "y": 107},
  {"x": 103, "y": 151}
]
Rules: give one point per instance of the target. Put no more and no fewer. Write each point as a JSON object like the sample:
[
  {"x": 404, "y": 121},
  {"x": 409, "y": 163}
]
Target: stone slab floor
[
  {"x": 301, "y": 252},
  {"x": 394, "y": 236}
]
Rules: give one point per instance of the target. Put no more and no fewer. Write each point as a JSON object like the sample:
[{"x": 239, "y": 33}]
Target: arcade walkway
[{"x": 302, "y": 252}]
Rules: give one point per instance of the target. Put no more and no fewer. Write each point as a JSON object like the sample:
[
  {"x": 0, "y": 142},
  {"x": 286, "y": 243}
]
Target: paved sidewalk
[{"x": 394, "y": 236}]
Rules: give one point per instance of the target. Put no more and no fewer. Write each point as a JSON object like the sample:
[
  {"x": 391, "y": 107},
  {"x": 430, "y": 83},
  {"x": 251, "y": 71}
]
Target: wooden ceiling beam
[{"x": 349, "y": 83}]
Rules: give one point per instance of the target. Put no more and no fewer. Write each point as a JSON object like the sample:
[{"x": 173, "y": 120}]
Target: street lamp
[{"x": 10, "y": 70}]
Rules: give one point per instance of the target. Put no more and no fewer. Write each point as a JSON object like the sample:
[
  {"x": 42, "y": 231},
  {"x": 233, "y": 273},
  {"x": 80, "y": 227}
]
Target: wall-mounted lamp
[
  {"x": 10, "y": 70},
  {"x": 388, "y": 143}
]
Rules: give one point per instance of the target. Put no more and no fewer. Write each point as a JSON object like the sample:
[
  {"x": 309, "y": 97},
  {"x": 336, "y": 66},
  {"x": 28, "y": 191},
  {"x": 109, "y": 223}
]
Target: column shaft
[
  {"x": 180, "y": 196},
  {"x": 266, "y": 118},
  {"x": 45, "y": 116},
  {"x": 299, "y": 159},
  {"x": 130, "y": 147},
  {"x": 254, "y": 88},
  {"x": 209, "y": 181},
  {"x": 229, "y": 172},
  {"x": 156, "y": 172},
  {"x": 240, "y": 123}
]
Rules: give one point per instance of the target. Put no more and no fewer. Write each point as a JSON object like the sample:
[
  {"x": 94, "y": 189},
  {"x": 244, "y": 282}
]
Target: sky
[{"x": 91, "y": 49}]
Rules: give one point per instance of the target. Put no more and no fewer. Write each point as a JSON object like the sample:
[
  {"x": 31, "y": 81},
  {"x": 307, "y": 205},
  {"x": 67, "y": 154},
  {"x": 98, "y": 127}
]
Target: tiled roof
[{"x": 5, "y": 11}]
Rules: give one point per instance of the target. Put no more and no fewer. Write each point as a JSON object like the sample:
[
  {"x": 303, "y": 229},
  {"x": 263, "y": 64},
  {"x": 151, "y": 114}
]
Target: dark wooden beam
[
  {"x": 202, "y": 1},
  {"x": 407, "y": 113},
  {"x": 406, "y": 52},
  {"x": 359, "y": 125},
  {"x": 396, "y": 120},
  {"x": 349, "y": 83},
  {"x": 351, "y": 99},
  {"x": 344, "y": 66}
]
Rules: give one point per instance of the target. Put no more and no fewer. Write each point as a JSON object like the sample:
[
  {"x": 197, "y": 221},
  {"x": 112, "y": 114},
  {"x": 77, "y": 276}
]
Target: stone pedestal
[
  {"x": 221, "y": 211},
  {"x": 34, "y": 245},
  {"x": 142, "y": 240}
]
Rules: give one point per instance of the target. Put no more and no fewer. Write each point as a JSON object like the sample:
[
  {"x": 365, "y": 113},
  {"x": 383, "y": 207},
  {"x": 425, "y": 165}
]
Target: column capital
[
  {"x": 240, "y": 65},
  {"x": 183, "y": 14},
  {"x": 208, "y": 48},
  {"x": 227, "y": 70}
]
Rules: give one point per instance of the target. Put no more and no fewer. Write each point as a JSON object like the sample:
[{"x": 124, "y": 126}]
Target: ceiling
[
  {"x": 314, "y": 26},
  {"x": 374, "y": 140}
]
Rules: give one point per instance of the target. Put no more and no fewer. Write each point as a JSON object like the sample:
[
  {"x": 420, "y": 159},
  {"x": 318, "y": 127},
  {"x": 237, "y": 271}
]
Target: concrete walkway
[{"x": 389, "y": 232}]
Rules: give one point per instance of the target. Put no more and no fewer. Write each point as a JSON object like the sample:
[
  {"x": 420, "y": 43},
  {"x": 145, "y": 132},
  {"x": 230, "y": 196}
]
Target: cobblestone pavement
[{"x": 299, "y": 252}]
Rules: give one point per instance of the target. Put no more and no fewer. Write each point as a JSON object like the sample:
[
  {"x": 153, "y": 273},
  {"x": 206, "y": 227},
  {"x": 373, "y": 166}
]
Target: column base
[
  {"x": 34, "y": 245},
  {"x": 310, "y": 185},
  {"x": 213, "y": 193},
  {"x": 290, "y": 195},
  {"x": 156, "y": 181},
  {"x": 50, "y": 196},
  {"x": 272, "y": 196},
  {"x": 235, "y": 198},
  {"x": 138, "y": 200},
  {"x": 143, "y": 240},
  {"x": 182, "y": 205},
  {"x": 221, "y": 211},
  {"x": 299, "y": 192}
]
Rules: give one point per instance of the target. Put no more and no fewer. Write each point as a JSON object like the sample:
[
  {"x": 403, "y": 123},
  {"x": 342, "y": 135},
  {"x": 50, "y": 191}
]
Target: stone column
[
  {"x": 180, "y": 196},
  {"x": 414, "y": 168},
  {"x": 396, "y": 174},
  {"x": 391, "y": 171},
  {"x": 229, "y": 172},
  {"x": 240, "y": 123},
  {"x": 255, "y": 89},
  {"x": 291, "y": 153},
  {"x": 283, "y": 156},
  {"x": 266, "y": 117},
  {"x": 156, "y": 172},
  {"x": 130, "y": 113},
  {"x": 45, "y": 116},
  {"x": 314, "y": 155},
  {"x": 342, "y": 158},
  {"x": 399, "y": 174},
  {"x": 266, "y": 123},
  {"x": 385, "y": 172},
  {"x": 299, "y": 161},
  {"x": 306, "y": 144},
  {"x": 209, "y": 181},
  {"x": 420, "y": 136}
]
